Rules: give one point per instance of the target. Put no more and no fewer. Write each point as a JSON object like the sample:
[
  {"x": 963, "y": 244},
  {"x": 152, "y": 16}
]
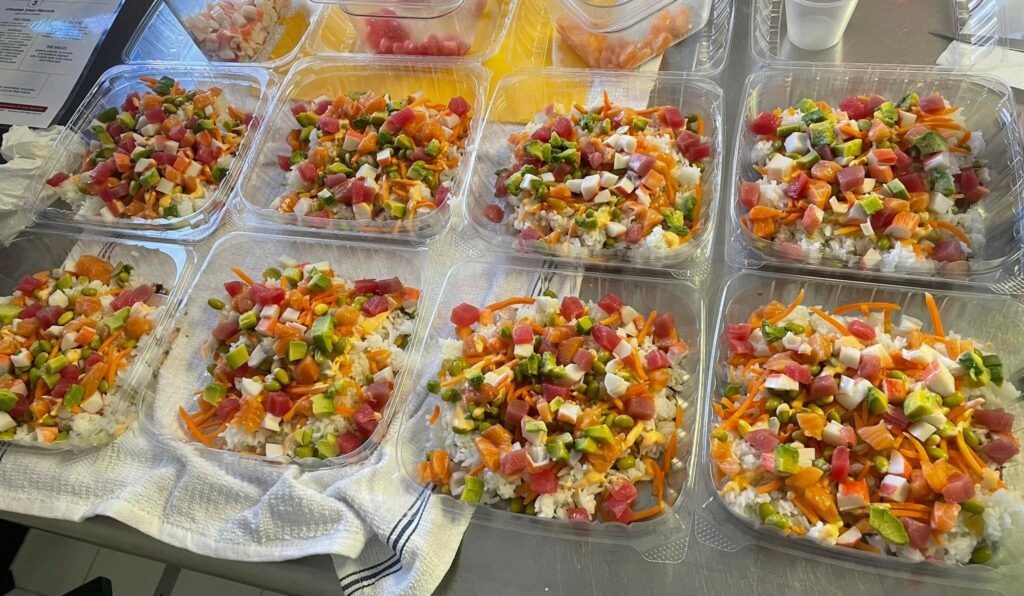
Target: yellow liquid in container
[{"x": 295, "y": 26}]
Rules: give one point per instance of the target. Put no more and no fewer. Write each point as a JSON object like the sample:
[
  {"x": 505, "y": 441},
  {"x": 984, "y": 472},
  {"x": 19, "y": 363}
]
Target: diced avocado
[
  {"x": 238, "y": 356},
  {"x": 931, "y": 142},
  {"x": 248, "y": 320},
  {"x": 689, "y": 207},
  {"x": 307, "y": 119},
  {"x": 887, "y": 113},
  {"x": 8, "y": 399},
  {"x": 585, "y": 444},
  {"x": 127, "y": 121},
  {"x": 675, "y": 221},
  {"x": 974, "y": 364},
  {"x": 785, "y": 131},
  {"x": 340, "y": 168},
  {"x": 404, "y": 142},
  {"x": 150, "y": 178},
  {"x": 107, "y": 115},
  {"x": 806, "y": 105},
  {"x": 462, "y": 426},
  {"x": 549, "y": 366},
  {"x": 851, "y": 148},
  {"x": 822, "y": 133},
  {"x": 74, "y": 395},
  {"x": 163, "y": 86},
  {"x": 918, "y": 404},
  {"x": 942, "y": 181},
  {"x": 297, "y": 350},
  {"x": 473, "y": 491},
  {"x": 328, "y": 446},
  {"x": 772, "y": 333},
  {"x": 397, "y": 208},
  {"x": 323, "y": 405},
  {"x": 878, "y": 402},
  {"x": 584, "y": 325},
  {"x": 218, "y": 173},
  {"x": 320, "y": 281},
  {"x": 557, "y": 451},
  {"x": 896, "y": 189},
  {"x": 887, "y": 525},
  {"x": 323, "y": 333},
  {"x": 8, "y": 312},
  {"x": 292, "y": 274},
  {"x": 871, "y": 204},
  {"x": 908, "y": 101},
  {"x": 475, "y": 378},
  {"x": 807, "y": 160},
  {"x": 599, "y": 433},
  {"x": 118, "y": 319},
  {"x": 214, "y": 393},
  {"x": 787, "y": 459},
  {"x": 813, "y": 116},
  {"x": 303, "y": 451}
]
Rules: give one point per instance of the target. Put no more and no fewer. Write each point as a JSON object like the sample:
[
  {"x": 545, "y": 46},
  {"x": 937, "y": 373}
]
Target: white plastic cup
[{"x": 817, "y": 24}]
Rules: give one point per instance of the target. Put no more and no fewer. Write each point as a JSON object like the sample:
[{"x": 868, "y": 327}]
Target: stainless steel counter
[{"x": 500, "y": 562}]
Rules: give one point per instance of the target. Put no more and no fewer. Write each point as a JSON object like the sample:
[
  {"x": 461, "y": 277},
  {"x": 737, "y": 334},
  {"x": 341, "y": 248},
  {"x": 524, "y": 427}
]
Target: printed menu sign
[{"x": 44, "y": 47}]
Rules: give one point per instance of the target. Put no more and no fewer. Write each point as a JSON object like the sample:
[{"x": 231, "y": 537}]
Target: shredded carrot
[
  {"x": 767, "y": 488},
  {"x": 241, "y": 275},
  {"x": 887, "y": 306},
  {"x": 646, "y": 328},
  {"x": 828, "y": 319},
  {"x": 193, "y": 429},
  {"x": 789, "y": 309},
  {"x": 510, "y": 302},
  {"x": 945, "y": 225},
  {"x": 649, "y": 512},
  {"x": 933, "y": 310}
]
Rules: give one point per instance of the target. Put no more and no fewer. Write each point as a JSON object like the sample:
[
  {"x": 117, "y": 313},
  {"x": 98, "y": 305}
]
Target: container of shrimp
[
  {"x": 626, "y": 33},
  {"x": 375, "y": 189},
  {"x": 977, "y": 31},
  {"x": 446, "y": 28},
  {"x": 90, "y": 203},
  {"x": 77, "y": 273},
  {"x": 268, "y": 33},
  {"x": 976, "y": 545},
  {"x": 659, "y": 529},
  {"x": 325, "y": 402},
  {"x": 965, "y": 226},
  {"x": 533, "y": 102},
  {"x": 533, "y": 41}
]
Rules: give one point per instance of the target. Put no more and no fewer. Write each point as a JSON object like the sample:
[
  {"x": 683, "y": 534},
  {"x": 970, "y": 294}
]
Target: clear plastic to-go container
[
  {"x": 624, "y": 34},
  {"x": 989, "y": 112},
  {"x": 165, "y": 267},
  {"x": 521, "y": 96},
  {"x": 245, "y": 88},
  {"x": 443, "y": 28},
  {"x": 331, "y": 77},
  {"x": 251, "y": 253},
  {"x": 893, "y": 33},
  {"x": 982, "y": 317},
  {"x": 533, "y": 41},
  {"x": 270, "y": 33},
  {"x": 660, "y": 538}
]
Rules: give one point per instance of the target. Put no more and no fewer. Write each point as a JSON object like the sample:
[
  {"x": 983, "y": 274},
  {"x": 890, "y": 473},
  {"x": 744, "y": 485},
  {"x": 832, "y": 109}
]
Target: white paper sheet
[{"x": 44, "y": 47}]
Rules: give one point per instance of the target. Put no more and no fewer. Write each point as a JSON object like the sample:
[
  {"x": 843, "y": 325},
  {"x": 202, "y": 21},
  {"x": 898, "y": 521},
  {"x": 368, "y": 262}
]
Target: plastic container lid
[
  {"x": 614, "y": 15},
  {"x": 410, "y": 9}
]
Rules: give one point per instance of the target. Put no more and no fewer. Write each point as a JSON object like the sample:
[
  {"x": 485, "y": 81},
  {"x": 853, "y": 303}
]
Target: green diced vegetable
[
  {"x": 822, "y": 133},
  {"x": 107, "y": 115},
  {"x": 8, "y": 399},
  {"x": 585, "y": 444},
  {"x": 785, "y": 131},
  {"x": 772, "y": 333},
  {"x": 878, "y": 402},
  {"x": 307, "y": 119},
  {"x": 248, "y": 320},
  {"x": 238, "y": 356},
  {"x": 297, "y": 350},
  {"x": 433, "y": 148},
  {"x": 473, "y": 491},
  {"x": 600, "y": 433},
  {"x": 163, "y": 86},
  {"x": 871, "y": 204},
  {"x": 9, "y": 312},
  {"x": 814, "y": 116},
  {"x": 973, "y": 362},
  {"x": 787, "y": 459},
  {"x": 896, "y": 189},
  {"x": 850, "y": 149},
  {"x": 942, "y": 181},
  {"x": 887, "y": 525},
  {"x": 74, "y": 395},
  {"x": 150, "y": 178},
  {"x": 887, "y": 113},
  {"x": 218, "y": 173},
  {"x": 930, "y": 142},
  {"x": 127, "y": 121},
  {"x": 908, "y": 101},
  {"x": 807, "y": 160},
  {"x": 323, "y": 333},
  {"x": 214, "y": 393},
  {"x": 55, "y": 364},
  {"x": 328, "y": 446},
  {"x": 557, "y": 451},
  {"x": 323, "y": 405},
  {"x": 995, "y": 368}
]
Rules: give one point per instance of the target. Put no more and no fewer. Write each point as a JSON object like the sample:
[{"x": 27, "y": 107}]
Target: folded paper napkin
[{"x": 24, "y": 150}]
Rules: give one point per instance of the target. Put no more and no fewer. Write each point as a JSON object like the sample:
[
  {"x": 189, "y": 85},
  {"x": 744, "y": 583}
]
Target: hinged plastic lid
[
  {"x": 606, "y": 16},
  {"x": 403, "y": 9}
]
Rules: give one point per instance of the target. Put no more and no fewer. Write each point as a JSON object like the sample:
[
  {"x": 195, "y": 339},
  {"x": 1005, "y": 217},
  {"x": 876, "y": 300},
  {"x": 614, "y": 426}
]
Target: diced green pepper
[
  {"x": 238, "y": 356},
  {"x": 887, "y": 525},
  {"x": 814, "y": 116},
  {"x": 248, "y": 320},
  {"x": 473, "y": 491},
  {"x": 772, "y": 333},
  {"x": 784, "y": 131}
]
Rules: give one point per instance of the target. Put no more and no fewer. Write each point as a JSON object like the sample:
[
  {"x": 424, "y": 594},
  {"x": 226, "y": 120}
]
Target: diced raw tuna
[
  {"x": 948, "y": 250},
  {"x": 851, "y": 178},
  {"x": 349, "y": 442},
  {"x": 913, "y": 182},
  {"x": 762, "y": 439},
  {"x": 1001, "y": 449},
  {"x": 543, "y": 482},
  {"x": 823, "y": 386},
  {"x": 515, "y": 411},
  {"x": 958, "y": 489},
  {"x": 513, "y": 462},
  {"x": 999, "y": 421},
  {"x": 931, "y": 104},
  {"x": 919, "y": 533},
  {"x": 766, "y": 123},
  {"x": 571, "y": 308},
  {"x": 140, "y": 293},
  {"x": 798, "y": 372},
  {"x": 365, "y": 419},
  {"x": 840, "y": 463},
  {"x": 640, "y": 408},
  {"x": 465, "y": 315},
  {"x": 750, "y": 194}
]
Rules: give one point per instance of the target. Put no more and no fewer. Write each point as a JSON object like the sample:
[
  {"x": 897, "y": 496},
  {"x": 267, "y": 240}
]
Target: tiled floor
[{"x": 50, "y": 565}]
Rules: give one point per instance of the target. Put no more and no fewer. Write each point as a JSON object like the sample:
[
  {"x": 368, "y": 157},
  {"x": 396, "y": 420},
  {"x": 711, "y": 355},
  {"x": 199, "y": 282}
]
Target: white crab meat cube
[
  {"x": 534, "y": 437},
  {"x": 780, "y": 167},
  {"x": 897, "y": 463},
  {"x": 143, "y": 164},
  {"x": 832, "y": 434},
  {"x": 271, "y": 422},
  {"x": 852, "y": 391},
  {"x": 907, "y": 119},
  {"x": 93, "y": 404},
  {"x": 22, "y": 358},
  {"x": 290, "y": 315},
  {"x": 608, "y": 179},
  {"x": 850, "y": 537},
  {"x": 569, "y": 412},
  {"x": 871, "y": 258},
  {"x": 362, "y": 211},
  {"x": 615, "y": 385},
  {"x": 781, "y": 382},
  {"x": 270, "y": 311},
  {"x": 68, "y": 341},
  {"x": 57, "y": 298},
  {"x": 798, "y": 142},
  {"x": 620, "y": 161},
  {"x": 573, "y": 373},
  {"x": 938, "y": 161},
  {"x": 538, "y": 455},
  {"x": 492, "y": 378},
  {"x": 575, "y": 185},
  {"x": 273, "y": 449},
  {"x": 908, "y": 323},
  {"x": 250, "y": 387},
  {"x": 806, "y": 457},
  {"x": 849, "y": 356},
  {"x": 628, "y": 313},
  {"x": 939, "y": 379},
  {"x": 603, "y": 197},
  {"x": 894, "y": 488},
  {"x": 614, "y": 229},
  {"x": 193, "y": 169},
  {"x": 6, "y": 422},
  {"x": 921, "y": 430},
  {"x": 623, "y": 187},
  {"x": 867, "y": 229},
  {"x": 792, "y": 342},
  {"x": 623, "y": 350},
  {"x": 385, "y": 374},
  {"x": 591, "y": 186},
  {"x": 939, "y": 203},
  {"x": 838, "y": 206},
  {"x": 847, "y": 499},
  {"x": 923, "y": 355},
  {"x": 366, "y": 172},
  {"x": 547, "y": 177}
]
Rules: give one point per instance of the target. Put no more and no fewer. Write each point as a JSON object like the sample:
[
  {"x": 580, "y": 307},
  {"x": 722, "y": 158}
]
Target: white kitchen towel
[{"x": 24, "y": 149}]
